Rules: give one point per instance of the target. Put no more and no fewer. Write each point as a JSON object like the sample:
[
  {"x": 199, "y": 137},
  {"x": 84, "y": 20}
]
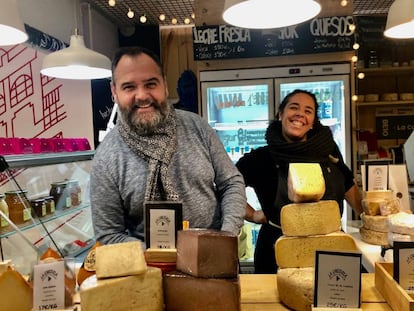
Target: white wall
[{"x": 58, "y": 19}]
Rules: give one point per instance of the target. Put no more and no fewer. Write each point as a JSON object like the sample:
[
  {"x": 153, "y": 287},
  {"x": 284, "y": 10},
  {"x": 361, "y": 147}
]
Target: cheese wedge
[
  {"x": 303, "y": 219},
  {"x": 141, "y": 292},
  {"x": 184, "y": 292},
  {"x": 296, "y": 287},
  {"x": 299, "y": 252},
  {"x": 207, "y": 253},
  {"x": 305, "y": 182},
  {"x": 119, "y": 259},
  {"x": 15, "y": 293}
]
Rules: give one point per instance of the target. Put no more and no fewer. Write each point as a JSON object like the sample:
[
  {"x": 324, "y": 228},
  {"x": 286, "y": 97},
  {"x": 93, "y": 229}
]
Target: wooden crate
[{"x": 393, "y": 293}]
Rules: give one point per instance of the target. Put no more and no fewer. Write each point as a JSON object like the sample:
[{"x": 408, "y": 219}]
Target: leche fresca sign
[{"x": 319, "y": 35}]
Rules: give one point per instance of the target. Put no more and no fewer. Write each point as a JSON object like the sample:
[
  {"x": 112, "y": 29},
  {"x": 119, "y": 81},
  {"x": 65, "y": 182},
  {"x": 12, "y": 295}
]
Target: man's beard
[{"x": 145, "y": 123}]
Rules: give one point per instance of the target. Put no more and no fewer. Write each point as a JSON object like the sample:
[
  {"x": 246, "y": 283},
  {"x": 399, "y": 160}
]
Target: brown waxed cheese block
[
  {"x": 305, "y": 182},
  {"x": 303, "y": 219},
  {"x": 141, "y": 292},
  {"x": 119, "y": 259},
  {"x": 296, "y": 287},
  {"x": 207, "y": 253},
  {"x": 183, "y": 292},
  {"x": 15, "y": 293},
  {"x": 299, "y": 252}
]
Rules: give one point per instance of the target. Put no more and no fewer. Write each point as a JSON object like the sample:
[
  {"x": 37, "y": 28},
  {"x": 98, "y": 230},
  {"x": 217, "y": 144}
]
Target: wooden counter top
[{"x": 259, "y": 292}]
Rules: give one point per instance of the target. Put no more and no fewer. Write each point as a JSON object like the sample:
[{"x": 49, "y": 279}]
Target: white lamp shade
[
  {"x": 12, "y": 29},
  {"x": 266, "y": 14},
  {"x": 400, "y": 20},
  {"x": 76, "y": 62}
]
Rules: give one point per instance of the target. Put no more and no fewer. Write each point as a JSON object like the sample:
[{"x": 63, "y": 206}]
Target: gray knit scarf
[{"x": 157, "y": 149}]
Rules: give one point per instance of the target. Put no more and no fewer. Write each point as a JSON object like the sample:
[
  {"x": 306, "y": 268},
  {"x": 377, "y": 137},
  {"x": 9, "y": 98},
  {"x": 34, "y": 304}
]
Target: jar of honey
[
  {"x": 38, "y": 207},
  {"x": 19, "y": 207},
  {"x": 5, "y": 209},
  {"x": 75, "y": 192},
  {"x": 50, "y": 205},
  {"x": 61, "y": 195}
]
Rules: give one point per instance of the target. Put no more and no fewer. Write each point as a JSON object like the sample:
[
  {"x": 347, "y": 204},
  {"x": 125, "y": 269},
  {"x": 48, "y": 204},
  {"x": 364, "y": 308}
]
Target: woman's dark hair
[
  {"x": 134, "y": 51},
  {"x": 299, "y": 91}
]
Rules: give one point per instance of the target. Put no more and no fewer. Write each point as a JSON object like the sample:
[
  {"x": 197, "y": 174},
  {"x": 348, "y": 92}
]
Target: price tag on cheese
[
  {"x": 337, "y": 279},
  {"x": 49, "y": 285}
]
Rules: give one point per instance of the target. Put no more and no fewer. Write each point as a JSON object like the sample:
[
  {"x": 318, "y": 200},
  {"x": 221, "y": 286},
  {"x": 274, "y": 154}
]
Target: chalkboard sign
[{"x": 320, "y": 35}]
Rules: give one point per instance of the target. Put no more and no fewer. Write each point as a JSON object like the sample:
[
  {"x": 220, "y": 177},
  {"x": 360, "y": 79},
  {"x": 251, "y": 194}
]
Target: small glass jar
[
  {"x": 38, "y": 207},
  {"x": 5, "y": 209},
  {"x": 61, "y": 196},
  {"x": 19, "y": 207},
  {"x": 50, "y": 205},
  {"x": 75, "y": 192}
]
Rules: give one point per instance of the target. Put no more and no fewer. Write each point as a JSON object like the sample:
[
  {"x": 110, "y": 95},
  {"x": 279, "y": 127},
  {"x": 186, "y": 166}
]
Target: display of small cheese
[
  {"x": 142, "y": 292},
  {"x": 184, "y": 292},
  {"x": 207, "y": 253},
  {"x": 15, "y": 293},
  {"x": 303, "y": 219},
  {"x": 296, "y": 287},
  {"x": 120, "y": 259},
  {"x": 305, "y": 182}
]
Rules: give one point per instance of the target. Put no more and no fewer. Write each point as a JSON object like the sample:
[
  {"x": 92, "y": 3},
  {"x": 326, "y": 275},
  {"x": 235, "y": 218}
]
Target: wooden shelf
[
  {"x": 385, "y": 103},
  {"x": 386, "y": 70}
]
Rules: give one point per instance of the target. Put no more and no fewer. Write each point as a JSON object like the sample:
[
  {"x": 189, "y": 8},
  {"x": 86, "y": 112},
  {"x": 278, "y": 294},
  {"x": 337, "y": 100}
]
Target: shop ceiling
[{"x": 182, "y": 9}]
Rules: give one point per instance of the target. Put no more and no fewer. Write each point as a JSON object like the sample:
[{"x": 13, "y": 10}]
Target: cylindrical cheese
[
  {"x": 299, "y": 252},
  {"x": 303, "y": 219},
  {"x": 373, "y": 237},
  {"x": 376, "y": 223},
  {"x": 402, "y": 223}
]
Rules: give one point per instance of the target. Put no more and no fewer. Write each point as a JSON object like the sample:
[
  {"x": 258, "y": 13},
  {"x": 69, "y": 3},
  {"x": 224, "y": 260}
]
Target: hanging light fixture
[
  {"x": 265, "y": 14},
  {"x": 12, "y": 29},
  {"x": 76, "y": 61},
  {"x": 400, "y": 20}
]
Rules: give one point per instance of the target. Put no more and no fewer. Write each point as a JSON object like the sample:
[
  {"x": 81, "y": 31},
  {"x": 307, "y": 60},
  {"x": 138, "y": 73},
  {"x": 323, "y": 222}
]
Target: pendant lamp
[
  {"x": 76, "y": 62},
  {"x": 400, "y": 20},
  {"x": 12, "y": 29},
  {"x": 266, "y": 14}
]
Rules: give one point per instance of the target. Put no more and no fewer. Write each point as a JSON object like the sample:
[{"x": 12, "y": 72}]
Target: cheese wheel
[
  {"x": 299, "y": 252},
  {"x": 373, "y": 237},
  {"x": 142, "y": 292},
  {"x": 392, "y": 206},
  {"x": 119, "y": 259},
  {"x": 402, "y": 223},
  {"x": 305, "y": 182},
  {"x": 296, "y": 287},
  {"x": 207, "y": 253},
  {"x": 183, "y": 292},
  {"x": 379, "y": 194},
  {"x": 372, "y": 206},
  {"x": 303, "y": 219},
  {"x": 15, "y": 293},
  {"x": 375, "y": 223}
]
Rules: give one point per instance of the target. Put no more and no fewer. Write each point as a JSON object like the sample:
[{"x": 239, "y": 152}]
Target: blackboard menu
[{"x": 319, "y": 35}]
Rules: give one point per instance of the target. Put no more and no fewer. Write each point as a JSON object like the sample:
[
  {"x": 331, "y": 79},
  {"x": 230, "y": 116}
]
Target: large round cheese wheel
[
  {"x": 295, "y": 287},
  {"x": 375, "y": 223},
  {"x": 373, "y": 237},
  {"x": 402, "y": 223}
]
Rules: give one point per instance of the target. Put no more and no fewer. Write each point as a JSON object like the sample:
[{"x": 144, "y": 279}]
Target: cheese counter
[{"x": 259, "y": 293}]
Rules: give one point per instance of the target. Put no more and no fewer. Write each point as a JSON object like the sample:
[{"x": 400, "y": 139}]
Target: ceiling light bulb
[
  {"x": 143, "y": 19},
  {"x": 130, "y": 13},
  {"x": 111, "y": 2},
  {"x": 186, "y": 21},
  {"x": 269, "y": 13},
  {"x": 355, "y": 46},
  {"x": 344, "y": 2},
  {"x": 361, "y": 75},
  {"x": 193, "y": 15},
  {"x": 354, "y": 98},
  {"x": 352, "y": 27},
  {"x": 174, "y": 21},
  {"x": 354, "y": 59},
  {"x": 162, "y": 17}
]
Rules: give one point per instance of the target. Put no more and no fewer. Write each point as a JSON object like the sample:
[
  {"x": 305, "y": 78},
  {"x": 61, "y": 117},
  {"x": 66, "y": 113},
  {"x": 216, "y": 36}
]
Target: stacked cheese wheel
[
  {"x": 400, "y": 227},
  {"x": 308, "y": 224},
  {"x": 122, "y": 281},
  {"x": 377, "y": 206},
  {"x": 207, "y": 272}
]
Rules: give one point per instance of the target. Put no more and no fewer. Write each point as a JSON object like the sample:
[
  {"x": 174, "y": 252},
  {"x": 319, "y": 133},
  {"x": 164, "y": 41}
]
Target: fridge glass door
[
  {"x": 239, "y": 111},
  {"x": 332, "y": 94}
]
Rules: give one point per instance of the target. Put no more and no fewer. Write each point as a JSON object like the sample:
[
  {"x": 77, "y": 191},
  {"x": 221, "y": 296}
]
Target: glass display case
[{"x": 44, "y": 202}]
